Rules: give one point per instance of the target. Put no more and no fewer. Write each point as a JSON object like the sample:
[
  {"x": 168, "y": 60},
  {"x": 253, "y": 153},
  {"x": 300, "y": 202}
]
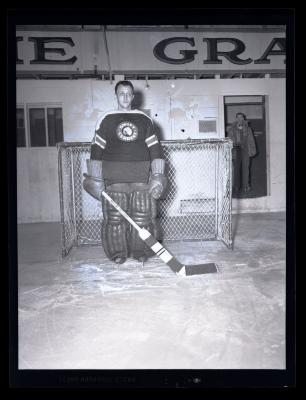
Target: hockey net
[{"x": 195, "y": 206}]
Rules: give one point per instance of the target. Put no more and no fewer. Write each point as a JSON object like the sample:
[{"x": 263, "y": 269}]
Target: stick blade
[
  {"x": 200, "y": 269},
  {"x": 175, "y": 265}
]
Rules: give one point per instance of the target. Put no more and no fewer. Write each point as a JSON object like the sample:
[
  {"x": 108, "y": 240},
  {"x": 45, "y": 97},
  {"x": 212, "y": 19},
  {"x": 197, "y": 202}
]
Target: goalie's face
[{"x": 125, "y": 97}]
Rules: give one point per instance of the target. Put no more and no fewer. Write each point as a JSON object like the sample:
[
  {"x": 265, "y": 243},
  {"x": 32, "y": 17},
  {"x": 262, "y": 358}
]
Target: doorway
[{"x": 253, "y": 107}]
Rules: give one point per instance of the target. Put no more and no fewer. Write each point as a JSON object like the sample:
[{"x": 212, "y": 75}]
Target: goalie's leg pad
[
  {"x": 141, "y": 211},
  {"x": 115, "y": 229},
  {"x": 154, "y": 211}
]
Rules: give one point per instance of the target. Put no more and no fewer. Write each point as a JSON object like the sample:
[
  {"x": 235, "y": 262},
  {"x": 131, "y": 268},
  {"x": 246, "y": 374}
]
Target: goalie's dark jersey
[{"x": 126, "y": 144}]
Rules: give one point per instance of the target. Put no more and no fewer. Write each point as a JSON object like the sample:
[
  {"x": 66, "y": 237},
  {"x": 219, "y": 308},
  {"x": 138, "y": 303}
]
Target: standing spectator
[{"x": 243, "y": 148}]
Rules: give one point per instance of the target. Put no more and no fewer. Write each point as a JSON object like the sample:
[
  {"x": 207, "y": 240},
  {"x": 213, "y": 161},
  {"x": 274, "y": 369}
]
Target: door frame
[{"x": 265, "y": 104}]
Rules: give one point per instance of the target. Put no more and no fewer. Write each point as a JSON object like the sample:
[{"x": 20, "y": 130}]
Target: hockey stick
[{"x": 160, "y": 250}]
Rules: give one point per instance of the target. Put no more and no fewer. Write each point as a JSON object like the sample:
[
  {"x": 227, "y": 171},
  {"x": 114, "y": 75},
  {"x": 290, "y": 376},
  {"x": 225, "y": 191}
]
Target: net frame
[{"x": 198, "y": 209}]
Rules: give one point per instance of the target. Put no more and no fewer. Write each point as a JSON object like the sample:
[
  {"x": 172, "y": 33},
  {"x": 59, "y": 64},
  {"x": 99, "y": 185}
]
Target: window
[
  {"x": 44, "y": 127},
  {"x": 37, "y": 127},
  {"x": 21, "y": 134},
  {"x": 55, "y": 125}
]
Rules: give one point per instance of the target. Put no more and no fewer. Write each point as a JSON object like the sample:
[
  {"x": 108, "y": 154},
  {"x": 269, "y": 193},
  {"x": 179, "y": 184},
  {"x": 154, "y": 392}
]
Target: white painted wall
[
  {"x": 37, "y": 185},
  {"x": 84, "y": 100}
]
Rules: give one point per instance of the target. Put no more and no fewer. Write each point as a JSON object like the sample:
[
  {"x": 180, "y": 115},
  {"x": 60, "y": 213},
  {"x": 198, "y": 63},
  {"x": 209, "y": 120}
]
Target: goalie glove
[
  {"x": 93, "y": 183},
  {"x": 158, "y": 181}
]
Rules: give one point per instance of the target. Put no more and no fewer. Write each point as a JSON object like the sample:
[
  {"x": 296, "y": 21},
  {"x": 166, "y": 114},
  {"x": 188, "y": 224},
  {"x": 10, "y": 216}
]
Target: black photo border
[{"x": 148, "y": 378}]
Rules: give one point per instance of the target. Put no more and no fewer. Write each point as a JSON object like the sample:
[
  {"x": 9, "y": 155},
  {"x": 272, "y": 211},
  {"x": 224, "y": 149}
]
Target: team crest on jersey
[{"x": 127, "y": 131}]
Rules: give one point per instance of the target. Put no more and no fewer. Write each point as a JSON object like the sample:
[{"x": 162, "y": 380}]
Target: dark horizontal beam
[
  {"x": 168, "y": 74},
  {"x": 150, "y": 28}
]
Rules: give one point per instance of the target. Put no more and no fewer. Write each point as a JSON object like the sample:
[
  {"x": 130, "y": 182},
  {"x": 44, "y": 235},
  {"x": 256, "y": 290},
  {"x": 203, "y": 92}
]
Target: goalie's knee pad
[
  {"x": 140, "y": 204},
  {"x": 141, "y": 211},
  {"x": 115, "y": 228}
]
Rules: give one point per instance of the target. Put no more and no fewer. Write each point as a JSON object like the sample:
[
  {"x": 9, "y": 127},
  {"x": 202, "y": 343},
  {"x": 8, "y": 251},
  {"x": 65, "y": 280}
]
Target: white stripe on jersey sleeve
[
  {"x": 151, "y": 138},
  {"x": 153, "y": 143}
]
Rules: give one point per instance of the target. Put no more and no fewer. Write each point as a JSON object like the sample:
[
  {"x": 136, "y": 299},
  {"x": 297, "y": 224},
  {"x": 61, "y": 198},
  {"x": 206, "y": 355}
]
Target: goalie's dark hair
[
  {"x": 240, "y": 113},
  {"x": 124, "y": 83}
]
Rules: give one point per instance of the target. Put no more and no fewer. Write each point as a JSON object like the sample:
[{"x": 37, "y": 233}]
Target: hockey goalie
[{"x": 126, "y": 161}]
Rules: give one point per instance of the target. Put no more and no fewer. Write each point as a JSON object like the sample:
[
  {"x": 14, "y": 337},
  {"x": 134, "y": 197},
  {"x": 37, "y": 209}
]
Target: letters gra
[{"x": 277, "y": 47}]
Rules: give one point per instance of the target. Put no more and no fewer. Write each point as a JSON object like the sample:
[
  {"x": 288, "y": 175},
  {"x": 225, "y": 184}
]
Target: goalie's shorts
[{"x": 119, "y": 239}]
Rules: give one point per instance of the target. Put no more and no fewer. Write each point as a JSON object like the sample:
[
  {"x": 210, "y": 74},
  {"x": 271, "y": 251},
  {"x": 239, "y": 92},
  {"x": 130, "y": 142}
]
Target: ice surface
[{"x": 86, "y": 312}]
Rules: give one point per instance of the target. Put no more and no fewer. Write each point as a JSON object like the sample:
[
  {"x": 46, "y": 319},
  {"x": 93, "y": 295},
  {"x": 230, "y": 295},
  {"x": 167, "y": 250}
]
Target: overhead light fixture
[{"x": 172, "y": 84}]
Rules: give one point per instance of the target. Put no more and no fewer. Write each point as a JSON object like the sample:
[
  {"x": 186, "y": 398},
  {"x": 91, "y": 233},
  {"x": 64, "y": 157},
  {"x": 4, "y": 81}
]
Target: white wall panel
[{"x": 83, "y": 101}]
